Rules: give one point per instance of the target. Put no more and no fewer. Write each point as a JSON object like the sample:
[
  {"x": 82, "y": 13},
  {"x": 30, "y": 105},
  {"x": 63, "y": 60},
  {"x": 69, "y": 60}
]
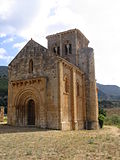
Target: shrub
[
  {"x": 102, "y": 111},
  {"x": 101, "y": 117},
  {"x": 113, "y": 120}
]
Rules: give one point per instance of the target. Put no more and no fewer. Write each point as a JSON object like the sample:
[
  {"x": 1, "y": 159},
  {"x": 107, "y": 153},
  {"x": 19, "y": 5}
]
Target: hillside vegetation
[
  {"x": 3, "y": 86},
  {"x": 3, "y": 72},
  {"x": 3, "y": 80}
]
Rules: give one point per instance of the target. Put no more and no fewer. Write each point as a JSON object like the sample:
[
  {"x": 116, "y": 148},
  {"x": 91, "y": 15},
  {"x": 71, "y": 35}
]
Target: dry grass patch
[{"x": 31, "y": 143}]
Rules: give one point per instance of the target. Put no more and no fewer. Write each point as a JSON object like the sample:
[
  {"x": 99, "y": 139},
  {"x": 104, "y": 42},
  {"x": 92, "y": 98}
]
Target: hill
[
  {"x": 108, "y": 92},
  {"x": 3, "y": 72},
  {"x": 3, "y": 80},
  {"x": 109, "y": 89},
  {"x": 3, "y": 86}
]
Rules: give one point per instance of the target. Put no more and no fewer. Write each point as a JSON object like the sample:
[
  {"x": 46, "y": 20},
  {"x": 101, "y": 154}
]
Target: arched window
[
  {"x": 66, "y": 82},
  {"x": 56, "y": 50},
  {"x": 78, "y": 89},
  {"x": 31, "y": 66},
  {"x": 68, "y": 48}
]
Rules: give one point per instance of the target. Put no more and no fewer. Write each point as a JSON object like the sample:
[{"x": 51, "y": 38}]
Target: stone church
[{"x": 54, "y": 87}]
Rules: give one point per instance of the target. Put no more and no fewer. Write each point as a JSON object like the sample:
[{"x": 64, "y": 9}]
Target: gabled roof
[{"x": 30, "y": 42}]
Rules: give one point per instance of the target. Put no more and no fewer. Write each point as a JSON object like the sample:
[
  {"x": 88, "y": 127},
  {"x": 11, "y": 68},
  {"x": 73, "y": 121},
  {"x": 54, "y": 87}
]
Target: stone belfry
[
  {"x": 67, "y": 44},
  {"x": 72, "y": 45}
]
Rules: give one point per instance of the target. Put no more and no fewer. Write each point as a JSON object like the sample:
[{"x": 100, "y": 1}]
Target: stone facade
[
  {"x": 54, "y": 88},
  {"x": 1, "y": 114}
]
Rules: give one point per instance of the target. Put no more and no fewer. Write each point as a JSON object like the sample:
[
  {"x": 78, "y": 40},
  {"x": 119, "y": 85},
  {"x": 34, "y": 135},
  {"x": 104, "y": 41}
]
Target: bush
[
  {"x": 113, "y": 120},
  {"x": 102, "y": 111},
  {"x": 101, "y": 117}
]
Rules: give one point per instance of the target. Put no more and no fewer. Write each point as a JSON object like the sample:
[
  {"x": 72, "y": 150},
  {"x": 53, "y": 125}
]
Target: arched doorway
[{"x": 31, "y": 112}]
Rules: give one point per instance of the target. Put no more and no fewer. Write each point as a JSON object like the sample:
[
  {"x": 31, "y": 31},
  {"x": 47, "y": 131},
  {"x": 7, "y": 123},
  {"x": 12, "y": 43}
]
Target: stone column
[
  {"x": 65, "y": 123},
  {"x": 74, "y": 100},
  {"x": 88, "y": 67},
  {"x": 84, "y": 100},
  {"x": 92, "y": 114},
  {"x": 60, "y": 84}
]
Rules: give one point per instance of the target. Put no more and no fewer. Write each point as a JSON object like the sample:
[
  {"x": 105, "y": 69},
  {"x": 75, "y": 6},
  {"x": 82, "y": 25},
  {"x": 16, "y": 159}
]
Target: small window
[
  {"x": 66, "y": 85},
  {"x": 31, "y": 66},
  {"x": 70, "y": 49},
  {"x": 66, "y": 50},
  {"x": 54, "y": 49},
  {"x": 78, "y": 89},
  {"x": 34, "y": 49},
  {"x": 58, "y": 50}
]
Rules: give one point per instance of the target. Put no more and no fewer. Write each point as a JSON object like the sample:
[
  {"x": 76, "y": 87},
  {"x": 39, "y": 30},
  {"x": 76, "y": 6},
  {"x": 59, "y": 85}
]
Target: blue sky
[
  {"x": 9, "y": 47},
  {"x": 21, "y": 20}
]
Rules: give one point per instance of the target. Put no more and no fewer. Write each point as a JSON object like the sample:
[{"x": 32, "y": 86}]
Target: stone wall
[
  {"x": 83, "y": 57},
  {"x": 72, "y": 99},
  {"x": 45, "y": 66},
  {"x": 86, "y": 63}
]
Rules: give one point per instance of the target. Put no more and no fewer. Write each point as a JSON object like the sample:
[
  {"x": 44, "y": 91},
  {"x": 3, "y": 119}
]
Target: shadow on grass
[{"x": 5, "y": 128}]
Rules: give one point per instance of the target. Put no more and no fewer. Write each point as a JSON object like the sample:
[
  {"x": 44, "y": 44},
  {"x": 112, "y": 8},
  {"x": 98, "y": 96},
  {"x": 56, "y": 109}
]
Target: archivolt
[{"x": 24, "y": 95}]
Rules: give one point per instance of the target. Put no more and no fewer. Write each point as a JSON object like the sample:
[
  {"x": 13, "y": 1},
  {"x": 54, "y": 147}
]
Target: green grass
[
  {"x": 112, "y": 116},
  {"x": 113, "y": 120}
]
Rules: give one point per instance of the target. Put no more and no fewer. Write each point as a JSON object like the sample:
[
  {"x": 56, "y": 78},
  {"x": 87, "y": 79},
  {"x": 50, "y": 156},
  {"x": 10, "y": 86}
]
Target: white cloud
[
  {"x": 8, "y": 58},
  {"x": 19, "y": 45},
  {"x": 17, "y": 15},
  {"x": 2, "y": 35},
  {"x": 98, "y": 20},
  {"x": 5, "y": 8},
  {"x": 8, "y": 40},
  {"x": 5, "y": 56},
  {"x": 2, "y": 51}
]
